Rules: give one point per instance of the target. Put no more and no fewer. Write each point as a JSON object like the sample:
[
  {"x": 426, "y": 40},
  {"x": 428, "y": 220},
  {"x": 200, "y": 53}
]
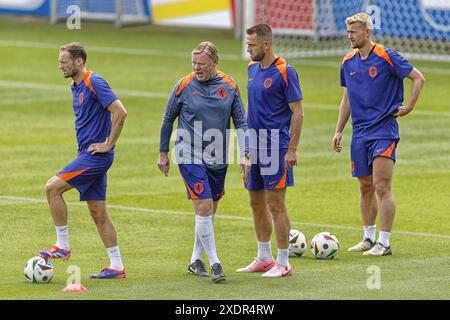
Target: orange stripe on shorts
[
  {"x": 66, "y": 176},
  {"x": 282, "y": 183},
  {"x": 191, "y": 193},
  {"x": 388, "y": 152}
]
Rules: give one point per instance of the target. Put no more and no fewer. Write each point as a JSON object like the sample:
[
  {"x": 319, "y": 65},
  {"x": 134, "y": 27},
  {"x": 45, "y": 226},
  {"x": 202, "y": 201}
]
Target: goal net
[
  {"x": 121, "y": 12},
  {"x": 418, "y": 29}
]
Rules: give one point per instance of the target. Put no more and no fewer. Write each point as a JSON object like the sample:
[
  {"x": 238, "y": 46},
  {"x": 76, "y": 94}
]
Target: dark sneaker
[
  {"x": 363, "y": 246},
  {"x": 197, "y": 268},
  {"x": 217, "y": 274},
  {"x": 378, "y": 250}
]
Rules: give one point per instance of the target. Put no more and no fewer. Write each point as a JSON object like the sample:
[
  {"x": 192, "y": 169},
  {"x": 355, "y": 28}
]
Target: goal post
[
  {"x": 121, "y": 12},
  {"x": 418, "y": 29}
]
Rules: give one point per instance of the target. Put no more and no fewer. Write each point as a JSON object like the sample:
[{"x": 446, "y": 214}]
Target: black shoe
[
  {"x": 217, "y": 274},
  {"x": 197, "y": 268}
]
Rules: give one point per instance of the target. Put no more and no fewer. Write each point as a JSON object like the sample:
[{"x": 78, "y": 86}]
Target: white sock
[
  {"x": 62, "y": 237},
  {"x": 198, "y": 248},
  {"x": 369, "y": 232},
  {"x": 205, "y": 231},
  {"x": 264, "y": 251},
  {"x": 197, "y": 252},
  {"x": 114, "y": 256},
  {"x": 384, "y": 238},
  {"x": 282, "y": 257}
]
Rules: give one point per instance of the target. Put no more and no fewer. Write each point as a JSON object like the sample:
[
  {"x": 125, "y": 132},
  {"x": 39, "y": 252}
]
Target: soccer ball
[
  {"x": 297, "y": 243},
  {"x": 325, "y": 245},
  {"x": 38, "y": 270}
]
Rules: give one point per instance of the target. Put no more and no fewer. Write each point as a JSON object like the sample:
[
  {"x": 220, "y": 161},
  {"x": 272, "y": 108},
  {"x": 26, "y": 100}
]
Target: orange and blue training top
[
  {"x": 270, "y": 90},
  {"x": 204, "y": 110},
  {"x": 375, "y": 90},
  {"x": 91, "y": 98}
]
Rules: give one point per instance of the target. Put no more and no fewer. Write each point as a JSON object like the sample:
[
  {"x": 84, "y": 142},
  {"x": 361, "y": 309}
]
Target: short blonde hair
[
  {"x": 361, "y": 17},
  {"x": 209, "y": 48}
]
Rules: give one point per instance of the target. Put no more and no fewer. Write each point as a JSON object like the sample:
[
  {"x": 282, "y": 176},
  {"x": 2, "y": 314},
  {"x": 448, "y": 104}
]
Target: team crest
[
  {"x": 81, "y": 97},
  {"x": 267, "y": 83},
  {"x": 221, "y": 93},
  {"x": 198, "y": 188},
  {"x": 373, "y": 72}
]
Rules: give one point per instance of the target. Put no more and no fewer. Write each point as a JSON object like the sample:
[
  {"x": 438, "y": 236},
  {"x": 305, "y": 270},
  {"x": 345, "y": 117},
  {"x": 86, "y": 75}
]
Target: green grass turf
[{"x": 155, "y": 223}]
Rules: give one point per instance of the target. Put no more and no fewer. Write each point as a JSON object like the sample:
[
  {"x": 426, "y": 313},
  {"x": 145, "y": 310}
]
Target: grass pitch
[{"x": 154, "y": 220}]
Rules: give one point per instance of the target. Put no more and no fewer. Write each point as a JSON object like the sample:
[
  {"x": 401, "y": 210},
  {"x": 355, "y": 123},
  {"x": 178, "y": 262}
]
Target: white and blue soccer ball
[
  {"x": 38, "y": 270},
  {"x": 297, "y": 243},
  {"x": 325, "y": 245}
]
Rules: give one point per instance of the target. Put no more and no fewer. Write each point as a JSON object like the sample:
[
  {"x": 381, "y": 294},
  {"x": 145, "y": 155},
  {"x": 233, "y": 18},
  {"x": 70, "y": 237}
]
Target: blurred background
[{"x": 417, "y": 28}]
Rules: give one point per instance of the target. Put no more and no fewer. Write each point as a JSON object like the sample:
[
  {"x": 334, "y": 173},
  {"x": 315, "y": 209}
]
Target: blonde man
[
  {"x": 372, "y": 77},
  {"x": 204, "y": 102}
]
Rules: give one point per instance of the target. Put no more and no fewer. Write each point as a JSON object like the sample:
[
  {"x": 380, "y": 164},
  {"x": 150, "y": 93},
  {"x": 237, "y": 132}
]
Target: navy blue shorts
[
  {"x": 87, "y": 174},
  {"x": 202, "y": 182},
  {"x": 268, "y": 173},
  {"x": 365, "y": 150}
]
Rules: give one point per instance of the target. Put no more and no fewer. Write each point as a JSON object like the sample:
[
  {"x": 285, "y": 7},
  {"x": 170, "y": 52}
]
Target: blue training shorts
[
  {"x": 269, "y": 173},
  {"x": 365, "y": 150},
  {"x": 87, "y": 174},
  {"x": 202, "y": 182}
]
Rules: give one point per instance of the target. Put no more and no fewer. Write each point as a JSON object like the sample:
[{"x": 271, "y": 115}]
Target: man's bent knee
[{"x": 56, "y": 186}]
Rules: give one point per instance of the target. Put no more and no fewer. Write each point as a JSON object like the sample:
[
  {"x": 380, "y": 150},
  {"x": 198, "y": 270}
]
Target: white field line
[
  {"x": 8, "y": 200},
  {"x": 164, "y": 95},
  {"x": 66, "y": 89},
  {"x": 116, "y": 50},
  {"x": 162, "y": 53}
]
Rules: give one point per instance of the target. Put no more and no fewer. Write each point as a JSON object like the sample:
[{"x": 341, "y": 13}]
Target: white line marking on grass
[
  {"x": 163, "y": 53},
  {"x": 324, "y": 106},
  {"x": 30, "y": 101},
  {"x": 66, "y": 89},
  {"x": 8, "y": 200},
  {"x": 165, "y": 95}
]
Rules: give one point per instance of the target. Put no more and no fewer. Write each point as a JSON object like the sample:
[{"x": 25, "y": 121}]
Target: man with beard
[{"x": 275, "y": 118}]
